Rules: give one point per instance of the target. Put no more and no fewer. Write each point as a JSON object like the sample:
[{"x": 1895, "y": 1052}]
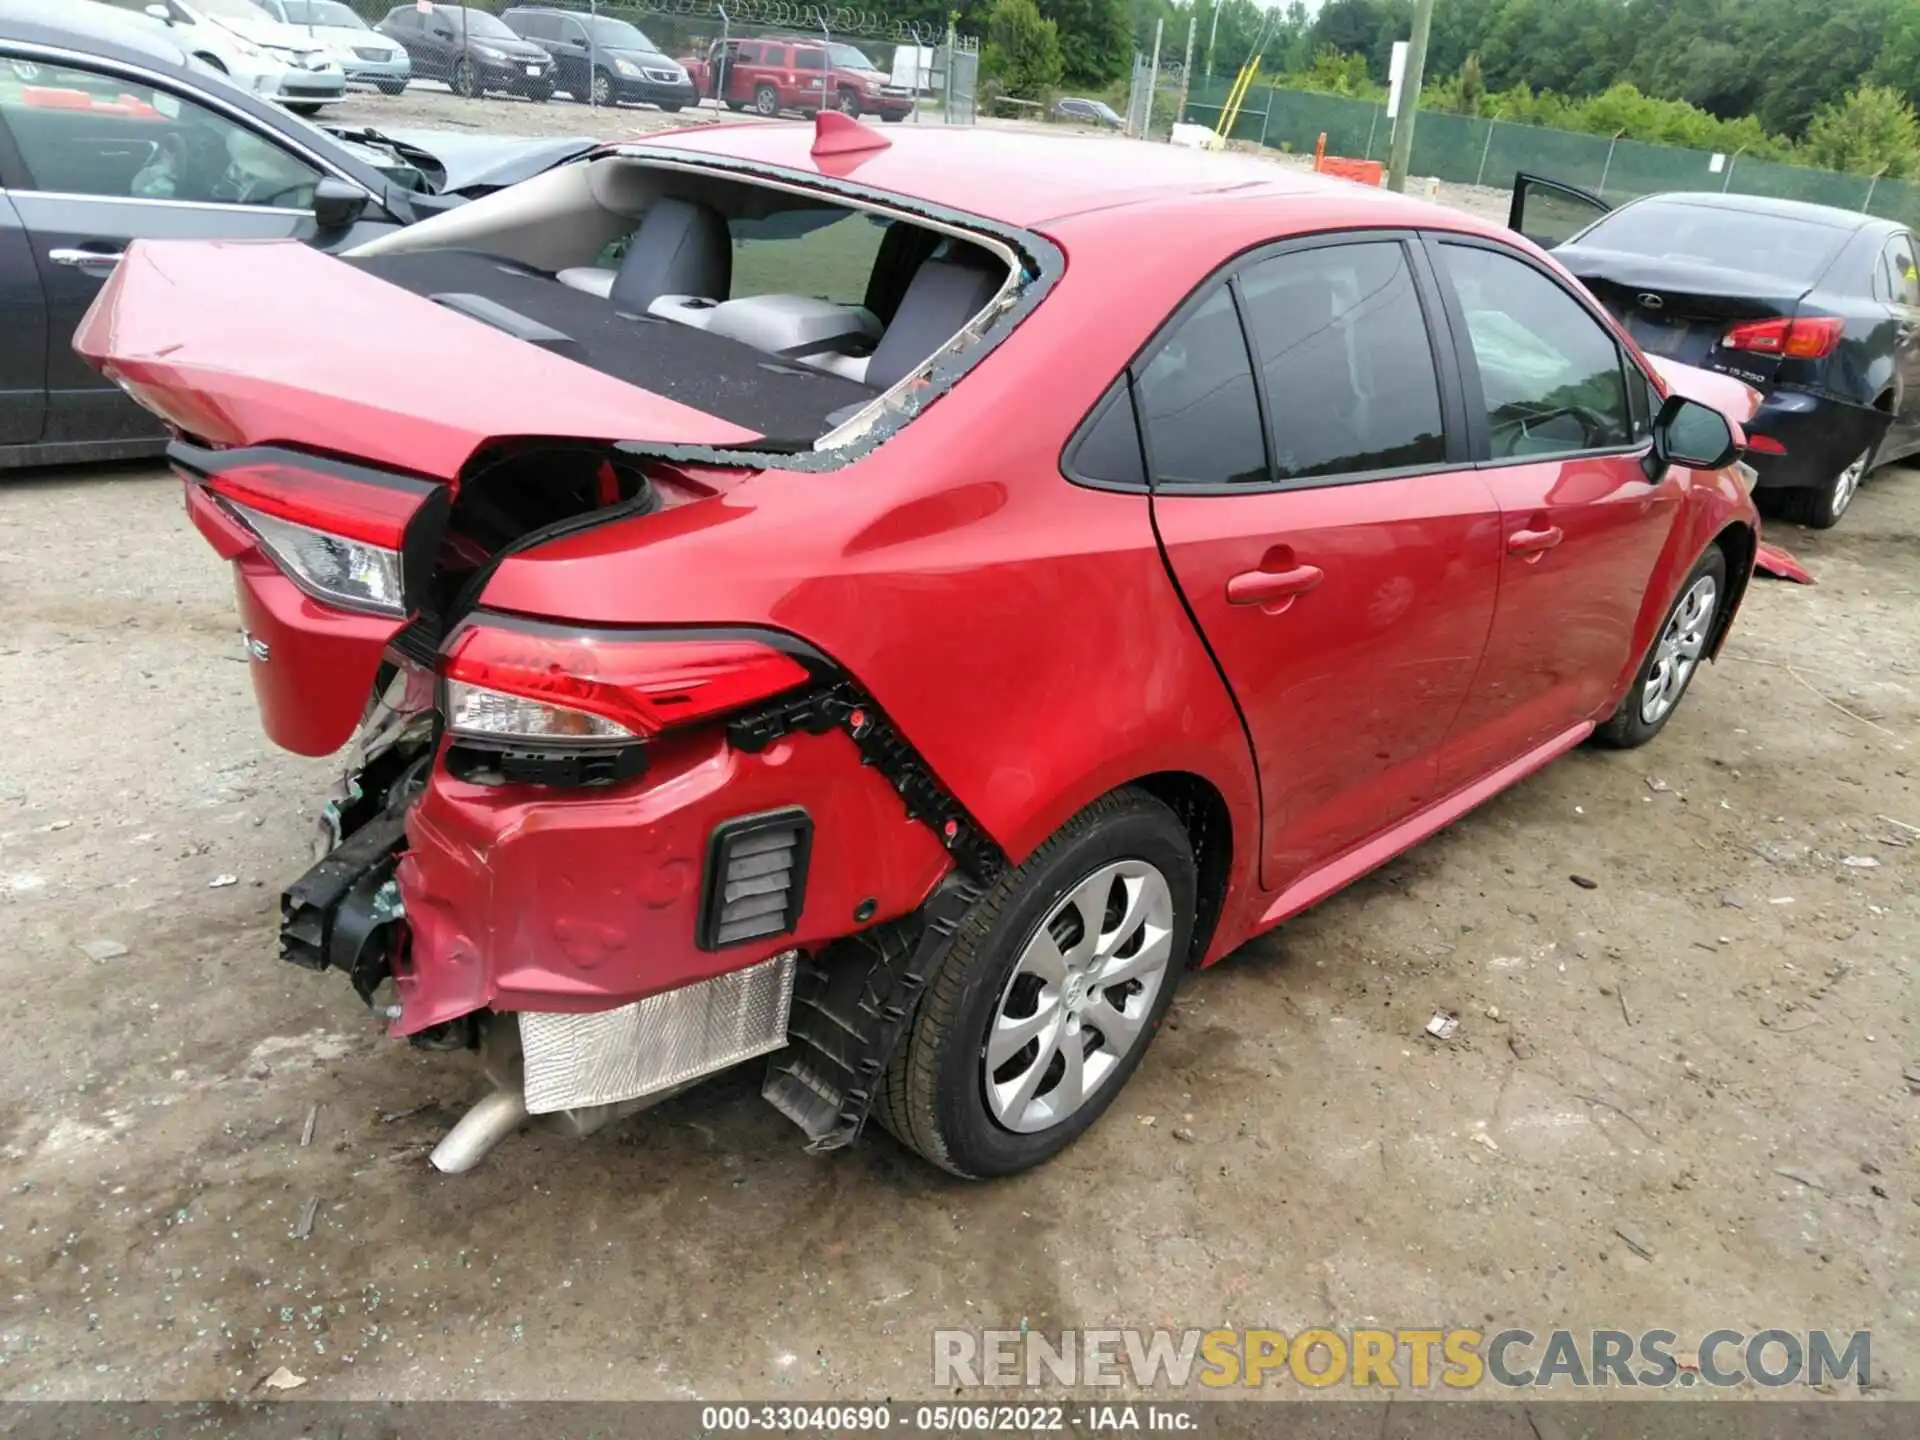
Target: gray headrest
[
  {"x": 681, "y": 248},
  {"x": 944, "y": 295}
]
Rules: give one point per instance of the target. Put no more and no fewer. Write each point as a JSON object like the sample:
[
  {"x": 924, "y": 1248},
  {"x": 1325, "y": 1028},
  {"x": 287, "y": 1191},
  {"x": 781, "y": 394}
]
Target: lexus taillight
[
  {"x": 1807, "y": 338},
  {"x": 524, "y": 682}
]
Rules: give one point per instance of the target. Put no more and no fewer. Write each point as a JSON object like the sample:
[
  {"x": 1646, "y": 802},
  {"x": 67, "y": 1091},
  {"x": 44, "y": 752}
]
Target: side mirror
[
  {"x": 1691, "y": 434},
  {"x": 160, "y": 13},
  {"x": 338, "y": 203}
]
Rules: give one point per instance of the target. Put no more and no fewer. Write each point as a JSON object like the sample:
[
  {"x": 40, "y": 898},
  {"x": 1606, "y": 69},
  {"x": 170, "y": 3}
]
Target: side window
[
  {"x": 109, "y": 137},
  {"x": 1108, "y": 450},
  {"x": 1197, "y": 403},
  {"x": 532, "y": 27},
  {"x": 809, "y": 60},
  {"x": 406, "y": 18},
  {"x": 1901, "y": 271},
  {"x": 1346, "y": 367},
  {"x": 1551, "y": 376},
  {"x": 748, "y": 55},
  {"x": 573, "y": 31}
]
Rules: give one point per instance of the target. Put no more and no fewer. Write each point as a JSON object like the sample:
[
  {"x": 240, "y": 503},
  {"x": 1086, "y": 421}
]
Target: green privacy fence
[{"x": 1491, "y": 152}]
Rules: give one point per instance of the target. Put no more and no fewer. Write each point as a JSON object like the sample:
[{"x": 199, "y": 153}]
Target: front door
[
  {"x": 1903, "y": 286},
  {"x": 1339, "y": 556},
  {"x": 1560, "y": 419},
  {"x": 106, "y": 161},
  {"x": 1550, "y": 213}
]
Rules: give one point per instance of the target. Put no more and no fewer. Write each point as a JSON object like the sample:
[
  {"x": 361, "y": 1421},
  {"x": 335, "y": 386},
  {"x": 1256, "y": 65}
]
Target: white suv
[{"x": 269, "y": 57}]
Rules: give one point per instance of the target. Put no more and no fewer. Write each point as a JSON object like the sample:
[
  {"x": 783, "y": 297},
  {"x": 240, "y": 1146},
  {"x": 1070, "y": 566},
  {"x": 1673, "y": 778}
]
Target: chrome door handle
[
  {"x": 1533, "y": 542},
  {"x": 92, "y": 261}
]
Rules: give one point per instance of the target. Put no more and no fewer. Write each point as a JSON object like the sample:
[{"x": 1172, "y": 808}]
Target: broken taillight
[
  {"x": 340, "y": 532},
  {"x": 516, "y": 680}
]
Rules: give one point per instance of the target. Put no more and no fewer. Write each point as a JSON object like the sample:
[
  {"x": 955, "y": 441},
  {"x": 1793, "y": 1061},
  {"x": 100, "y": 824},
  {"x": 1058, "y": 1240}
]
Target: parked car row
[{"x": 112, "y": 131}]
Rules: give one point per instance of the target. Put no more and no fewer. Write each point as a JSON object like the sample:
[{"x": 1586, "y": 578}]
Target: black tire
[
  {"x": 671, "y": 107},
  {"x": 736, "y": 104},
  {"x": 601, "y": 88},
  {"x": 893, "y": 119},
  {"x": 460, "y": 79},
  {"x": 303, "y": 107},
  {"x": 933, "y": 1096},
  {"x": 847, "y": 102},
  {"x": 539, "y": 94},
  {"x": 766, "y": 101},
  {"x": 391, "y": 87},
  {"x": 1820, "y": 507},
  {"x": 1629, "y": 727}
]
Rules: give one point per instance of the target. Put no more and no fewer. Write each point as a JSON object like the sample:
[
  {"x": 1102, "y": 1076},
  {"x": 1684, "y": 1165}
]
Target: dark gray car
[
  {"x": 110, "y": 133},
  {"x": 1816, "y": 308},
  {"x": 603, "y": 59}
]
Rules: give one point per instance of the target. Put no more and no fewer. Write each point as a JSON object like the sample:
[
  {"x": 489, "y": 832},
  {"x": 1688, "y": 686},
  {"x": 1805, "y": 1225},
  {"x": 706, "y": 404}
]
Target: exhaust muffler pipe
[{"x": 492, "y": 1118}]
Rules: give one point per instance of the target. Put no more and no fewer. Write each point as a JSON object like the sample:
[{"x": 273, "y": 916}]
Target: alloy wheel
[
  {"x": 849, "y": 103},
  {"x": 1847, "y": 484},
  {"x": 1078, "y": 1000},
  {"x": 461, "y": 81},
  {"x": 1682, "y": 643},
  {"x": 602, "y": 88},
  {"x": 767, "y": 101}
]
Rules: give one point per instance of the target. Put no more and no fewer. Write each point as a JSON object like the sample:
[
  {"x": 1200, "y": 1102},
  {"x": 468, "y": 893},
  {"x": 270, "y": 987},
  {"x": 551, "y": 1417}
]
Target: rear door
[
  {"x": 105, "y": 161},
  {"x": 1318, "y": 512},
  {"x": 1560, "y": 420},
  {"x": 1550, "y": 213},
  {"x": 23, "y": 314}
]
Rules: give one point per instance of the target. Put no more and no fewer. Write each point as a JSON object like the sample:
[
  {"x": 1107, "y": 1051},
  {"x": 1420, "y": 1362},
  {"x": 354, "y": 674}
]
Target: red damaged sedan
[{"x": 892, "y": 605}]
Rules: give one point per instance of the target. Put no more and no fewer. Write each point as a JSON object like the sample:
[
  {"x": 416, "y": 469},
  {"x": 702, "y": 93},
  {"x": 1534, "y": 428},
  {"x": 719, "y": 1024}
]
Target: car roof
[
  {"x": 1020, "y": 178},
  {"x": 1802, "y": 210},
  {"x": 97, "y": 29}
]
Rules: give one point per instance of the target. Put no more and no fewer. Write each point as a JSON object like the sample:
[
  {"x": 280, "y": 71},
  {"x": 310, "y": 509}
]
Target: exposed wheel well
[
  {"x": 213, "y": 60},
  {"x": 1203, "y": 811},
  {"x": 1739, "y": 543}
]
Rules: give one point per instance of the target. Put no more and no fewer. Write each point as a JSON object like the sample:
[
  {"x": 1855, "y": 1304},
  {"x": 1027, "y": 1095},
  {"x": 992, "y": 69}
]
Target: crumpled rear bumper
[{"x": 529, "y": 898}]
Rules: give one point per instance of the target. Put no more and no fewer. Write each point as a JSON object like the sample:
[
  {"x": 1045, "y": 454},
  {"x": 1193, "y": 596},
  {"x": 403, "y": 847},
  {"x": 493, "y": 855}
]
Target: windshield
[
  {"x": 480, "y": 24},
  {"x": 1711, "y": 235},
  {"x": 323, "y": 12},
  {"x": 619, "y": 35},
  {"x": 232, "y": 10},
  {"x": 845, "y": 57}
]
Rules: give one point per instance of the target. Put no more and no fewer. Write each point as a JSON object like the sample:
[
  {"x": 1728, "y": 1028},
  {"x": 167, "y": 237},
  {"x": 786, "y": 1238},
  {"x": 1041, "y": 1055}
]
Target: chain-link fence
[
  {"x": 939, "y": 67},
  {"x": 1490, "y": 152}
]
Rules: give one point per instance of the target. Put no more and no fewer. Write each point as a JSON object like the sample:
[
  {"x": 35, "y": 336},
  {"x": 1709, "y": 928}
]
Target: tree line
[{"x": 1831, "y": 83}]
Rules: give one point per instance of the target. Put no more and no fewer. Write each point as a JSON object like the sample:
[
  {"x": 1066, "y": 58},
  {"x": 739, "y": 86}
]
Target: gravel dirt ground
[{"x": 1676, "y": 1097}]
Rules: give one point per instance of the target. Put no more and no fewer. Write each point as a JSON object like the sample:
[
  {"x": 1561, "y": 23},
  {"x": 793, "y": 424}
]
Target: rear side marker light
[
  {"x": 1765, "y": 445},
  {"x": 1808, "y": 338},
  {"x": 756, "y": 878}
]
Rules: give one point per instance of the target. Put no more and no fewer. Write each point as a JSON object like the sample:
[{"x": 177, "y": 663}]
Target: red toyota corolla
[{"x": 894, "y": 604}]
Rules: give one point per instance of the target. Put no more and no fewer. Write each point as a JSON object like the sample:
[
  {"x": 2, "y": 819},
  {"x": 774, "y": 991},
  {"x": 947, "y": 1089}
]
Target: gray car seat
[
  {"x": 681, "y": 248},
  {"x": 942, "y": 297}
]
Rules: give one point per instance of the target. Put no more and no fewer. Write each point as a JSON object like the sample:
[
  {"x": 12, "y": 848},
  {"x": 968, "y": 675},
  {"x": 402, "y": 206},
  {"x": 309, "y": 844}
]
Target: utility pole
[
  {"x": 1213, "y": 33},
  {"x": 1409, "y": 97},
  {"x": 1186, "y": 71},
  {"x": 1153, "y": 85}
]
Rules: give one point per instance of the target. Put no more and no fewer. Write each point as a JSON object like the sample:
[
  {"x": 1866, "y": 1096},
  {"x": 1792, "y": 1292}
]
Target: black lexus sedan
[
  {"x": 109, "y": 133},
  {"x": 1816, "y": 308}
]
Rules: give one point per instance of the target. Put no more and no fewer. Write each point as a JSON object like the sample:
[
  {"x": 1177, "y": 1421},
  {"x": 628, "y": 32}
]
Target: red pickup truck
[{"x": 777, "y": 72}]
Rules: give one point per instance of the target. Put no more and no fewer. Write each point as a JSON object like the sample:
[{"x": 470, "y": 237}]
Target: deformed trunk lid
[{"x": 252, "y": 343}]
